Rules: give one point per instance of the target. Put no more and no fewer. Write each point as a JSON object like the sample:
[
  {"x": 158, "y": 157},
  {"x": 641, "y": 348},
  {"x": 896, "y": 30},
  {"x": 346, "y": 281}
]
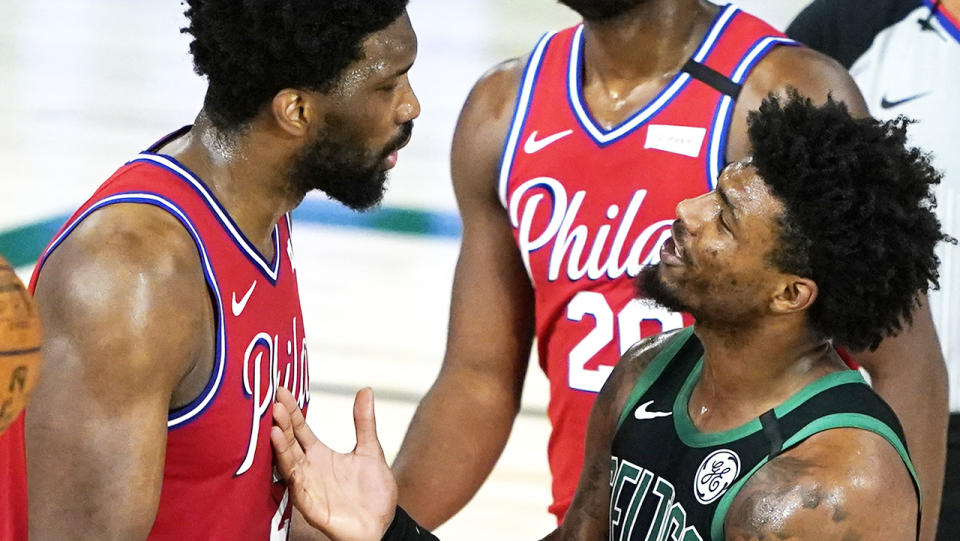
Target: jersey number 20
[{"x": 591, "y": 303}]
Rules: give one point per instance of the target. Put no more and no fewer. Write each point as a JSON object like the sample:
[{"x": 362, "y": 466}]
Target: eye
[
  {"x": 389, "y": 87},
  {"x": 723, "y": 221}
]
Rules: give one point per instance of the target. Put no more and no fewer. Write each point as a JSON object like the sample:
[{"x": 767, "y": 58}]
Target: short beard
[
  {"x": 710, "y": 305},
  {"x": 599, "y": 10},
  {"x": 338, "y": 164},
  {"x": 650, "y": 287}
]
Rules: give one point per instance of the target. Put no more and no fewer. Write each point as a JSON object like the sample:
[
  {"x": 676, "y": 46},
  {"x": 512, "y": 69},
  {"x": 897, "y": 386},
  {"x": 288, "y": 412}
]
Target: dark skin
[
  {"x": 128, "y": 279},
  {"x": 491, "y": 315},
  {"x": 841, "y": 484}
]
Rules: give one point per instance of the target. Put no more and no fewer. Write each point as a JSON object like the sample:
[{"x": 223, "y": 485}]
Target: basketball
[{"x": 19, "y": 346}]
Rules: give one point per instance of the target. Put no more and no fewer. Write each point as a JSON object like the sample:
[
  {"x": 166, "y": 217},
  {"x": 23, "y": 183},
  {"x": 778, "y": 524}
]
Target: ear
[
  {"x": 795, "y": 294},
  {"x": 295, "y": 111}
]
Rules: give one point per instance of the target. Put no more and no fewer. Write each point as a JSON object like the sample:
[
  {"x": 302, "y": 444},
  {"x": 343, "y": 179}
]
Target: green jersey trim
[
  {"x": 827, "y": 422},
  {"x": 652, "y": 372},
  {"x": 692, "y": 437}
]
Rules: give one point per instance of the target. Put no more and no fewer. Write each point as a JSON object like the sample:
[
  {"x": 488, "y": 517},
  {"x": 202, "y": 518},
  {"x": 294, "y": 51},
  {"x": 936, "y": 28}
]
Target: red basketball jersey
[
  {"x": 591, "y": 206},
  {"x": 218, "y": 477},
  {"x": 13, "y": 484}
]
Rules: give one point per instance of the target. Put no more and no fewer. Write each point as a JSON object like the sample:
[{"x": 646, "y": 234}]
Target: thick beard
[
  {"x": 339, "y": 165},
  {"x": 599, "y": 10}
]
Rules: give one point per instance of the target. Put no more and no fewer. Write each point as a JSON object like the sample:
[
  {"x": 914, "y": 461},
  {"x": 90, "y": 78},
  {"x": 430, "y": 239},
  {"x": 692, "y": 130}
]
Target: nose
[
  {"x": 409, "y": 107},
  {"x": 693, "y": 212}
]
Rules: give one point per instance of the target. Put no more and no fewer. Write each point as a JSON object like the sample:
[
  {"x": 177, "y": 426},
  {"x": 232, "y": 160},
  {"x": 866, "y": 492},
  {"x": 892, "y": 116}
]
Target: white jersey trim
[
  {"x": 270, "y": 270},
  {"x": 604, "y": 137},
  {"x": 520, "y": 114},
  {"x": 199, "y": 404},
  {"x": 721, "y": 123}
]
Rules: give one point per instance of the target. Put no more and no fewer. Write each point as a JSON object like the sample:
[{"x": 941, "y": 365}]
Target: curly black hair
[
  {"x": 859, "y": 217},
  {"x": 251, "y": 49}
]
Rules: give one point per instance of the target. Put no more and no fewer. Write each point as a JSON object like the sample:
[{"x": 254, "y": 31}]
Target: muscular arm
[
  {"x": 121, "y": 301},
  {"x": 908, "y": 370},
  {"x": 842, "y": 484},
  {"x": 440, "y": 465}
]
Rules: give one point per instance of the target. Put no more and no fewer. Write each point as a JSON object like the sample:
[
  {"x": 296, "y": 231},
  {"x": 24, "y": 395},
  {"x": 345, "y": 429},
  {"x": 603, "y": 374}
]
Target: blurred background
[{"x": 86, "y": 84}]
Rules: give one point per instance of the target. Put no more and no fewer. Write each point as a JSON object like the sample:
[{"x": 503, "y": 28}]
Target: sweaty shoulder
[
  {"x": 841, "y": 484},
  {"x": 483, "y": 125},
  {"x": 124, "y": 281},
  {"x": 813, "y": 74}
]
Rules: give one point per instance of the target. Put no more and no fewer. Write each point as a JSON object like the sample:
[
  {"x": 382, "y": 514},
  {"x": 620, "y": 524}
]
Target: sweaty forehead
[
  {"x": 747, "y": 191},
  {"x": 390, "y": 49}
]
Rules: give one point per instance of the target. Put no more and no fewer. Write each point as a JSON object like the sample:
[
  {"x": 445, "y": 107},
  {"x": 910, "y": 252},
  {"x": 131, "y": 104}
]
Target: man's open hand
[{"x": 348, "y": 496}]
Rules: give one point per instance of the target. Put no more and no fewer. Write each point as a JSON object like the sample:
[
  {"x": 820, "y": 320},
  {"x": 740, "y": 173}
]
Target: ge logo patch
[{"x": 715, "y": 475}]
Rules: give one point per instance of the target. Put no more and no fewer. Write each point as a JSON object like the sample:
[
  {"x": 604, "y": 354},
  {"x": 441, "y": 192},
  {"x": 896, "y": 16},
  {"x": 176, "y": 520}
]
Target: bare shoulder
[
  {"x": 123, "y": 282},
  {"x": 813, "y": 74},
  {"x": 641, "y": 354},
  {"x": 482, "y": 129},
  {"x": 841, "y": 484}
]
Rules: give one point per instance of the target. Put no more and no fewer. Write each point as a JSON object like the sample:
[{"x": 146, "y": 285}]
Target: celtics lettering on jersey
[{"x": 643, "y": 506}]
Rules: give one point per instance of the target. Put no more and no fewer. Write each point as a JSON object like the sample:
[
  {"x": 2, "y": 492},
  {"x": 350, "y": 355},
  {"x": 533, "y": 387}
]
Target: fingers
[
  {"x": 300, "y": 429},
  {"x": 366, "y": 423},
  {"x": 287, "y": 450}
]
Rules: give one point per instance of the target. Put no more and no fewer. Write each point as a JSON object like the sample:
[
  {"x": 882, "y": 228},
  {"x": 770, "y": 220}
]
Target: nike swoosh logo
[
  {"x": 534, "y": 145},
  {"x": 887, "y": 104},
  {"x": 239, "y": 306},
  {"x": 642, "y": 413}
]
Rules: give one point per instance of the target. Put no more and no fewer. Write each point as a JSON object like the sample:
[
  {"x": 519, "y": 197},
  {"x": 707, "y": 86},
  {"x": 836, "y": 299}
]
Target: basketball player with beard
[
  {"x": 747, "y": 425},
  {"x": 567, "y": 165},
  {"x": 170, "y": 297}
]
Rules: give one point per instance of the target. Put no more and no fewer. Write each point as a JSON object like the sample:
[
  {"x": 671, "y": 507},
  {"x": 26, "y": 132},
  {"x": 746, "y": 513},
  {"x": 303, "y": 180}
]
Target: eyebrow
[
  {"x": 726, "y": 202},
  {"x": 403, "y": 70}
]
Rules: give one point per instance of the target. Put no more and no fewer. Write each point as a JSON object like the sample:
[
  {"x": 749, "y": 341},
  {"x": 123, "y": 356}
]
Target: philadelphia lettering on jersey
[
  {"x": 591, "y": 205},
  {"x": 218, "y": 477},
  {"x": 669, "y": 481}
]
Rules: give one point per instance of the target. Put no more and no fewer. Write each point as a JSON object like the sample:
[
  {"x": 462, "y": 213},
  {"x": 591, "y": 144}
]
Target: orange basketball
[{"x": 19, "y": 346}]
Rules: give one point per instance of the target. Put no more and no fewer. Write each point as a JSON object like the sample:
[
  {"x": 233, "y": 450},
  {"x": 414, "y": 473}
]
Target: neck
[
  {"x": 756, "y": 369},
  {"x": 652, "y": 39},
  {"x": 246, "y": 173}
]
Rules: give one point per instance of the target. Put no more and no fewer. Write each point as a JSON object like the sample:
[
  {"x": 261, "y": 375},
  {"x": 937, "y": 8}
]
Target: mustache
[{"x": 406, "y": 131}]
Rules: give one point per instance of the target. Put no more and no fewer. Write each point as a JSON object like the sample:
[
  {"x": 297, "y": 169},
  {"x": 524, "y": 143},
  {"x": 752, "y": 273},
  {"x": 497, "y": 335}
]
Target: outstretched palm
[{"x": 348, "y": 496}]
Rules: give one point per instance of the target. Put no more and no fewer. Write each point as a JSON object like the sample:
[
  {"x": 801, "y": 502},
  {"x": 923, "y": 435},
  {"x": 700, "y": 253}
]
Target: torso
[
  {"x": 218, "y": 478},
  {"x": 683, "y": 486},
  {"x": 590, "y": 205}
]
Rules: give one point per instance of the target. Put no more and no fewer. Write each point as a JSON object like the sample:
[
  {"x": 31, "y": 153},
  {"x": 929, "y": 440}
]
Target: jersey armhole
[
  {"x": 522, "y": 105},
  {"x": 652, "y": 372},
  {"x": 836, "y": 420},
  {"x": 717, "y": 149},
  {"x": 193, "y": 409}
]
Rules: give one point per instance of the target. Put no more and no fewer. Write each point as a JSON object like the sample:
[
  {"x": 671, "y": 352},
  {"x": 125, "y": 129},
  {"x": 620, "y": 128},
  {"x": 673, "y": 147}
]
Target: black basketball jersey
[{"x": 669, "y": 481}]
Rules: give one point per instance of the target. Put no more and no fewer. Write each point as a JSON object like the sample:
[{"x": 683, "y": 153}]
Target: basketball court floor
[{"x": 86, "y": 84}]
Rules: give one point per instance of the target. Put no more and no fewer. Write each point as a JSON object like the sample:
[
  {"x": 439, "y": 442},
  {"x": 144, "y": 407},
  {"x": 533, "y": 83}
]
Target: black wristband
[{"x": 404, "y": 528}]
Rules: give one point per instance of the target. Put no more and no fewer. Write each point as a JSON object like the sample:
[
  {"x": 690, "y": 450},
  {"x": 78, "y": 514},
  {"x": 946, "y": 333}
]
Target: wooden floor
[{"x": 85, "y": 84}]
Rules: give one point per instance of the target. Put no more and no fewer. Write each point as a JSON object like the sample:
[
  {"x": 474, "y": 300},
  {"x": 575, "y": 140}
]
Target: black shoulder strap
[{"x": 713, "y": 78}]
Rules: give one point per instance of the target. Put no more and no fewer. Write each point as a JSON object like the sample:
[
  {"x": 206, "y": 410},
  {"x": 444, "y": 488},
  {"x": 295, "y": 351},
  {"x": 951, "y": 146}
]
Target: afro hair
[
  {"x": 251, "y": 49},
  {"x": 859, "y": 216}
]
